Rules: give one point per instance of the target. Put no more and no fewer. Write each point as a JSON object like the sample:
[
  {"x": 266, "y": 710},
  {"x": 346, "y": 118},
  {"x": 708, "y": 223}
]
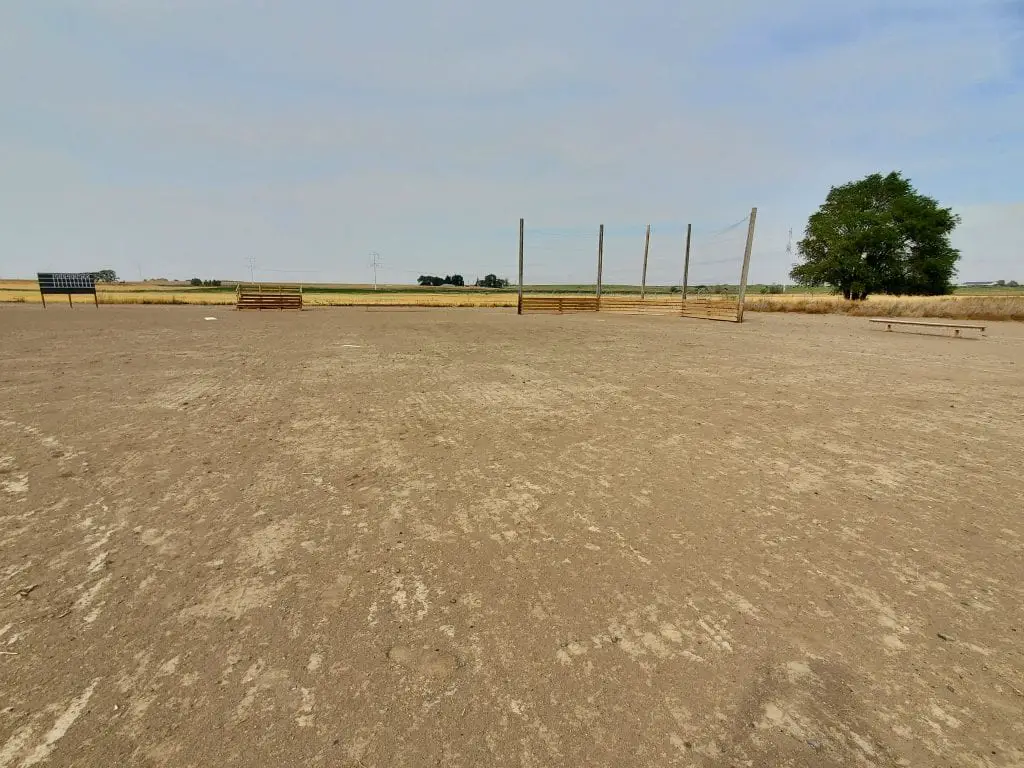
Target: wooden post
[
  {"x": 746, "y": 264},
  {"x": 600, "y": 263},
  {"x": 643, "y": 277},
  {"x": 519, "y": 303},
  {"x": 42, "y": 296},
  {"x": 95, "y": 297},
  {"x": 69, "y": 302},
  {"x": 686, "y": 261}
]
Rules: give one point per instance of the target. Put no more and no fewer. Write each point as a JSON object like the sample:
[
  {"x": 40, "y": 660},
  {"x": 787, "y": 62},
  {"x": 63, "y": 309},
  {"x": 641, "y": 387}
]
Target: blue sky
[{"x": 184, "y": 137}]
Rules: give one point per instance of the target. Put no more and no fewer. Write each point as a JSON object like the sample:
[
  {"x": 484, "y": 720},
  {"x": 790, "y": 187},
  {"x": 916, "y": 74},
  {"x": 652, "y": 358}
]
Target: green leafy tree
[
  {"x": 195, "y": 281},
  {"x": 879, "y": 235},
  {"x": 492, "y": 281},
  {"x": 105, "y": 276}
]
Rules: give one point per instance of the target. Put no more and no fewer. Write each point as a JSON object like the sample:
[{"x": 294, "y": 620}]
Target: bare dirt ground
[{"x": 462, "y": 538}]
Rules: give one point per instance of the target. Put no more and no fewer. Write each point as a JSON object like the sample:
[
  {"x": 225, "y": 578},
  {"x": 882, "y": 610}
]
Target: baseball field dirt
[{"x": 345, "y": 537}]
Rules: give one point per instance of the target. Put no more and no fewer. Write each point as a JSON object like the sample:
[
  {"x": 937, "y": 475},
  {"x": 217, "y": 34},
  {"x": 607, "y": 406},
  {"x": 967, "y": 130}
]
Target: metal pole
[
  {"x": 600, "y": 263},
  {"x": 519, "y": 303},
  {"x": 374, "y": 262},
  {"x": 746, "y": 264},
  {"x": 643, "y": 277}
]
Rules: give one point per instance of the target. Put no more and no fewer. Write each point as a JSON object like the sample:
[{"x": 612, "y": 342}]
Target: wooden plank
[
  {"x": 714, "y": 318},
  {"x": 926, "y": 322},
  {"x": 557, "y": 299},
  {"x": 272, "y": 290},
  {"x": 559, "y": 302},
  {"x": 646, "y": 302},
  {"x": 607, "y": 306}
]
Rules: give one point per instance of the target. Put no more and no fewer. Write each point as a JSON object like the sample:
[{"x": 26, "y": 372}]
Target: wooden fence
[
  {"x": 261, "y": 296},
  {"x": 709, "y": 308}
]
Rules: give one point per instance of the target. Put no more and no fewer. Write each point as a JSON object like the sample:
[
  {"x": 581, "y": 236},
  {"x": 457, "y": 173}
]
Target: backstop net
[{"x": 663, "y": 268}]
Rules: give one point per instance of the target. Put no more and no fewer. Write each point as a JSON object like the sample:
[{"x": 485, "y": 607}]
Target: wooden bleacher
[{"x": 263, "y": 296}]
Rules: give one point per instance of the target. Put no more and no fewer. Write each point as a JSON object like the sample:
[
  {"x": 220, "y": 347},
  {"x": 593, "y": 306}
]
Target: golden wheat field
[
  {"x": 25, "y": 291},
  {"x": 1007, "y": 307},
  {"x": 961, "y": 307}
]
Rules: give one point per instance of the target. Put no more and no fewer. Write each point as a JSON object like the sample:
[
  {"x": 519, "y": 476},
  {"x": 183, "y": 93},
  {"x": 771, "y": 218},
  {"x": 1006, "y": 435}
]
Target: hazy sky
[{"x": 186, "y": 137}]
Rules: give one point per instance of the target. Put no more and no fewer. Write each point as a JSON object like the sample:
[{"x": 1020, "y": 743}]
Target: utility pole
[
  {"x": 746, "y": 264},
  {"x": 522, "y": 235},
  {"x": 686, "y": 261},
  {"x": 375, "y": 263},
  {"x": 252, "y": 269}
]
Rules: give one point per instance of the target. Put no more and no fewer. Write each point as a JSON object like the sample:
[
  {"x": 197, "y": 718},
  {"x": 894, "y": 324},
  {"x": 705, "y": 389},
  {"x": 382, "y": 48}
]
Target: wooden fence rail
[{"x": 715, "y": 309}]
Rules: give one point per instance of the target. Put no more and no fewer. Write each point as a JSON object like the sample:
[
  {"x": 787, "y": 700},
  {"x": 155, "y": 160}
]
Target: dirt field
[{"x": 462, "y": 538}]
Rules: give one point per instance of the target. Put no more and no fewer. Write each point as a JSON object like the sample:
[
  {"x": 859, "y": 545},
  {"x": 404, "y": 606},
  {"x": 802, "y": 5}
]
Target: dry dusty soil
[{"x": 463, "y": 538}]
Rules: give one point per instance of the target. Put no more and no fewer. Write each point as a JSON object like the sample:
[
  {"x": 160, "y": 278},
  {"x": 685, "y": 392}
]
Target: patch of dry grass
[
  {"x": 960, "y": 307},
  {"x": 409, "y": 299},
  {"x": 119, "y": 297},
  {"x": 311, "y": 298},
  {"x": 950, "y": 307}
]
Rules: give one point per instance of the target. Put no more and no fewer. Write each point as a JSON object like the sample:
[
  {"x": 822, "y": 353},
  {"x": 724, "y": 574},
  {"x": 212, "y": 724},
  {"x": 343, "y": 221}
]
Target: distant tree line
[
  {"x": 1007, "y": 283},
  {"x": 491, "y": 281},
  {"x": 488, "y": 281},
  {"x": 436, "y": 281},
  {"x": 714, "y": 289},
  {"x": 196, "y": 281}
]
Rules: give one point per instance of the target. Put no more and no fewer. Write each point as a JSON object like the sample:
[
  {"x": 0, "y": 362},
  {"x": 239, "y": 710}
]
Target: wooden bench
[{"x": 957, "y": 327}]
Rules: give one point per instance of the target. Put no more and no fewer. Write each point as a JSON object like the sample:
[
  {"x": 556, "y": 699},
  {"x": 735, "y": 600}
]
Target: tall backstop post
[
  {"x": 746, "y": 264},
  {"x": 600, "y": 264},
  {"x": 647, "y": 249},
  {"x": 519, "y": 302},
  {"x": 686, "y": 260}
]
